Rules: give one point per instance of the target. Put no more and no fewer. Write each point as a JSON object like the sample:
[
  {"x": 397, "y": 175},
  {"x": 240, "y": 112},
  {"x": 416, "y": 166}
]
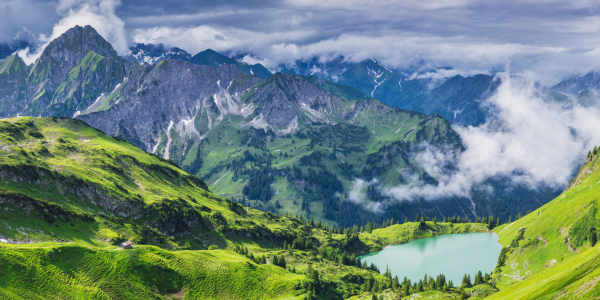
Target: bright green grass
[
  {"x": 75, "y": 272},
  {"x": 74, "y": 149},
  {"x": 546, "y": 265},
  {"x": 383, "y": 130},
  {"x": 70, "y": 257},
  {"x": 574, "y": 278}
]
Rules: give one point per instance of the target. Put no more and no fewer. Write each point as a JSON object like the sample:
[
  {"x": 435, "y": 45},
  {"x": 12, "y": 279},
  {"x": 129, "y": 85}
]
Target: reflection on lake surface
[{"x": 452, "y": 255}]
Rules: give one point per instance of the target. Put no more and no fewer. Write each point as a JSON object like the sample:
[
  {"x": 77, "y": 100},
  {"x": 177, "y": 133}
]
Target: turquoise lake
[{"x": 452, "y": 255}]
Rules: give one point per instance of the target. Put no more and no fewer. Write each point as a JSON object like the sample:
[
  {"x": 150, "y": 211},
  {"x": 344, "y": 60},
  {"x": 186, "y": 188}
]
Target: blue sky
[{"x": 543, "y": 38}]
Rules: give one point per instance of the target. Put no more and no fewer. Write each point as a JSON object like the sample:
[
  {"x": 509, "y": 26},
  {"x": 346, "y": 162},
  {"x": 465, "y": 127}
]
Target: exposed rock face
[
  {"x": 284, "y": 98},
  {"x": 65, "y": 52},
  {"x": 80, "y": 75},
  {"x": 223, "y": 114},
  {"x": 172, "y": 93},
  {"x": 71, "y": 73},
  {"x": 13, "y": 85}
]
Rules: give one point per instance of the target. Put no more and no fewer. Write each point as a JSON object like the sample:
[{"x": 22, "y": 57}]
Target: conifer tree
[
  {"x": 375, "y": 288},
  {"x": 282, "y": 262},
  {"x": 491, "y": 222},
  {"x": 367, "y": 285},
  {"x": 478, "y": 278},
  {"x": 466, "y": 281}
]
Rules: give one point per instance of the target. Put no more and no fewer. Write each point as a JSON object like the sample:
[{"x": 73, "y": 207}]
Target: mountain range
[
  {"x": 287, "y": 143},
  {"x": 98, "y": 150},
  {"x": 152, "y": 54},
  {"x": 458, "y": 99},
  {"x": 70, "y": 195}
]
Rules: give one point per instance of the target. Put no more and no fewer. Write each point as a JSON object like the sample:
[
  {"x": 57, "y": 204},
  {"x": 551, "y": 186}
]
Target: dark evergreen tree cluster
[
  {"x": 259, "y": 184},
  {"x": 278, "y": 260},
  {"x": 319, "y": 185}
]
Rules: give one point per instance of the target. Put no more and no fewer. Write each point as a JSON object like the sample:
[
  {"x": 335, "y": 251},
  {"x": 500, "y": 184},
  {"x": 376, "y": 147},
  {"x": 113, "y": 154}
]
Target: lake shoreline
[
  {"x": 398, "y": 234},
  {"x": 450, "y": 254}
]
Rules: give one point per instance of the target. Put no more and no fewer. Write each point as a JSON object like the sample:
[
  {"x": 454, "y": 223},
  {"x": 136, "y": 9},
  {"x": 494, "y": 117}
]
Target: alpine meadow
[{"x": 299, "y": 150}]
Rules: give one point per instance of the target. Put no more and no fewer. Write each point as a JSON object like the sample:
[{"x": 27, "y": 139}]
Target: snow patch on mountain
[{"x": 168, "y": 144}]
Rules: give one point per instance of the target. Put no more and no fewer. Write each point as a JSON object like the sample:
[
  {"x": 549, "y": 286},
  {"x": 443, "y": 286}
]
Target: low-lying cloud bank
[{"x": 534, "y": 138}]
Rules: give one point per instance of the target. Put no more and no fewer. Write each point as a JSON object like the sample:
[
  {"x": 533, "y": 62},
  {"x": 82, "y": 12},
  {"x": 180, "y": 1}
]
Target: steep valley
[
  {"x": 280, "y": 143},
  {"x": 299, "y": 150}
]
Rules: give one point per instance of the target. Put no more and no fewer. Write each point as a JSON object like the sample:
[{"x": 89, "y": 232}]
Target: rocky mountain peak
[
  {"x": 76, "y": 42},
  {"x": 72, "y": 72},
  {"x": 154, "y": 53},
  {"x": 66, "y": 51}
]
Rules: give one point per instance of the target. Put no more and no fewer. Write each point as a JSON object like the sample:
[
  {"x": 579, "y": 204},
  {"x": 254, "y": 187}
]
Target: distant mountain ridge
[
  {"x": 153, "y": 54},
  {"x": 459, "y": 99},
  {"x": 72, "y": 71},
  {"x": 287, "y": 143}
]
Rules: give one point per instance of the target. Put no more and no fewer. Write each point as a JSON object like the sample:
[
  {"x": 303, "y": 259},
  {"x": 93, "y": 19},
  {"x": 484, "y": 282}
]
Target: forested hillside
[
  {"x": 69, "y": 195},
  {"x": 280, "y": 143}
]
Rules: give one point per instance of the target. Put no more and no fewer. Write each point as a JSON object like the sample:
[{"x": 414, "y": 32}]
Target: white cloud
[
  {"x": 550, "y": 38},
  {"x": 358, "y": 195},
  {"x": 467, "y": 55},
  {"x": 532, "y": 140}
]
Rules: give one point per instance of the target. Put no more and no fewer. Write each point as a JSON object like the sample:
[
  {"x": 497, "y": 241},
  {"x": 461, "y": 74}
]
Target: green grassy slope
[
  {"x": 228, "y": 155},
  {"x": 146, "y": 272},
  {"x": 345, "y": 92},
  {"x": 66, "y": 162},
  {"x": 70, "y": 194},
  {"x": 554, "y": 258}
]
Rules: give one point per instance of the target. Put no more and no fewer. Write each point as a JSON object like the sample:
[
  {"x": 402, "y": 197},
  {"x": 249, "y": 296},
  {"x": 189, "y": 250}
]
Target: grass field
[
  {"x": 145, "y": 272},
  {"x": 555, "y": 259},
  {"x": 69, "y": 194}
]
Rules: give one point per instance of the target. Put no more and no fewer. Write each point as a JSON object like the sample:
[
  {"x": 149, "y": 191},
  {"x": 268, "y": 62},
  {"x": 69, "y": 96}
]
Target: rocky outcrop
[{"x": 72, "y": 72}]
